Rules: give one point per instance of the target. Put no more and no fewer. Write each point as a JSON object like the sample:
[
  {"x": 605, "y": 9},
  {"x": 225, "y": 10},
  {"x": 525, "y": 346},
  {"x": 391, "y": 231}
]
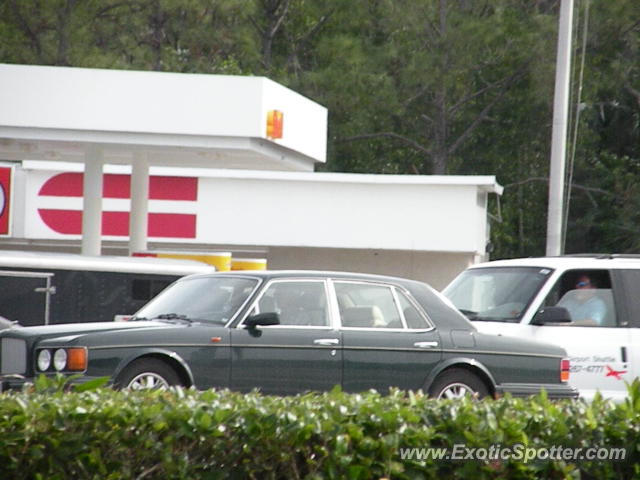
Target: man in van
[{"x": 585, "y": 307}]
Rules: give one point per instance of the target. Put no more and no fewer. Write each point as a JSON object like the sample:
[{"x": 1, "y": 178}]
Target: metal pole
[{"x": 559, "y": 135}]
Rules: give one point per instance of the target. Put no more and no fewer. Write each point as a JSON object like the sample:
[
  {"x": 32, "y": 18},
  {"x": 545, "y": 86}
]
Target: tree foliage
[{"x": 412, "y": 86}]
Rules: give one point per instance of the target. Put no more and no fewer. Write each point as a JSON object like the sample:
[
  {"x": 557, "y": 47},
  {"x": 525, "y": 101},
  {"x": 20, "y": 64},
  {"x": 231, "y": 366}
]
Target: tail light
[{"x": 565, "y": 367}]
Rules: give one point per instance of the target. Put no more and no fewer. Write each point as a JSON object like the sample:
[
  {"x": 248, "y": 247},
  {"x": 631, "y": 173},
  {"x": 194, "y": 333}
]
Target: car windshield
[
  {"x": 498, "y": 294},
  {"x": 213, "y": 299}
]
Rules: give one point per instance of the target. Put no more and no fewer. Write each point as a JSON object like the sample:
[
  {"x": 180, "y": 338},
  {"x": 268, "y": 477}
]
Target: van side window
[
  {"x": 588, "y": 297},
  {"x": 631, "y": 288}
]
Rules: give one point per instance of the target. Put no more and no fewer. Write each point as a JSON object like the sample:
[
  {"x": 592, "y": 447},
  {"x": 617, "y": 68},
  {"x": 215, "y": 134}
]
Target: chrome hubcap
[
  {"x": 148, "y": 381},
  {"x": 457, "y": 390}
]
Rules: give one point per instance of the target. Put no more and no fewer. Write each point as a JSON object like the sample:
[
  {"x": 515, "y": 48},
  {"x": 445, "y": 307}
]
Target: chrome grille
[{"x": 13, "y": 356}]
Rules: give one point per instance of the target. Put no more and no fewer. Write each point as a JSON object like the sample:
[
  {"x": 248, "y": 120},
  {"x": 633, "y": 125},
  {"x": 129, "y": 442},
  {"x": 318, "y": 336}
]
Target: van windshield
[{"x": 496, "y": 294}]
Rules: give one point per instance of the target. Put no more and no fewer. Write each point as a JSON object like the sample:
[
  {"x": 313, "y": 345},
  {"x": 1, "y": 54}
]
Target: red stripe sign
[
  {"x": 6, "y": 184},
  {"x": 171, "y": 193}
]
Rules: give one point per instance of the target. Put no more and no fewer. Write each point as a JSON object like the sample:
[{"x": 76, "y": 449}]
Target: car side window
[
  {"x": 587, "y": 296},
  {"x": 364, "y": 305},
  {"x": 412, "y": 316},
  {"x": 301, "y": 303}
]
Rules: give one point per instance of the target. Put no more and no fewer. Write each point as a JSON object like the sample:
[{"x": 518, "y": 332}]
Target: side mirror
[
  {"x": 552, "y": 315},
  {"x": 263, "y": 319}
]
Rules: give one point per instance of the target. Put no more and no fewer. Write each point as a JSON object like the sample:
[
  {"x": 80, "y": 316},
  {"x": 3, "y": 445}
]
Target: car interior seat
[{"x": 363, "y": 317}]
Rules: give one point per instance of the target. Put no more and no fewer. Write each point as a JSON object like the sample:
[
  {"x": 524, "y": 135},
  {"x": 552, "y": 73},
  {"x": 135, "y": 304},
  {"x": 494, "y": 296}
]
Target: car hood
[{"x": 73, "y": 329}]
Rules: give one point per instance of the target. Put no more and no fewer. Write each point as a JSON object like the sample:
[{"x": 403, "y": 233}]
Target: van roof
[
  {"x": 582, "y": 261},
  {"x": 44, "y": 261}
]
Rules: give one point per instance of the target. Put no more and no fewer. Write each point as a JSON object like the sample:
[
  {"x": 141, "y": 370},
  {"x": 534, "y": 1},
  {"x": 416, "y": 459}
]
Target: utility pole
[{"x": 555, "y": 217}]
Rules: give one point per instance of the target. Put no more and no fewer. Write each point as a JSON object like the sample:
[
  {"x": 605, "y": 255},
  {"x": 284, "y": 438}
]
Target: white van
[{"x": 548, "y": 298}]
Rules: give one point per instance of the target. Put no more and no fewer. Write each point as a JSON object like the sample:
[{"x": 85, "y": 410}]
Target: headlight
[
  {"x": 44, "y": 360},
  {"x": 73, "y": 359},
  {"x": 60, "y": 359}
]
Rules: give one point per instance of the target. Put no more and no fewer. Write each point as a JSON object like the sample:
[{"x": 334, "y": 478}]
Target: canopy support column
[
  {"x": 138, "y": 223},
  {"x": 92, "y": 202}
]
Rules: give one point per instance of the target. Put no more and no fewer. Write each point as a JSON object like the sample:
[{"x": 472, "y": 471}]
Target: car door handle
[
  {"x": 326, "y": 341},
  {"x": 425, "y": 344}
]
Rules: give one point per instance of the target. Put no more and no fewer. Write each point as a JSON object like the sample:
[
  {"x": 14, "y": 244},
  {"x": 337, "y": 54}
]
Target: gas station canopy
[
  {"x": 190, "y": 120},
  {"x": 138, "y": 118}
]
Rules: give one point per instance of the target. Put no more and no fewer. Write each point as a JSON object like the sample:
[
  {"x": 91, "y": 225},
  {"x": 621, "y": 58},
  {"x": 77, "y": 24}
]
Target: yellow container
[
  {"x": 220, "y": 260},
  {"x": 248, "y": 264}
]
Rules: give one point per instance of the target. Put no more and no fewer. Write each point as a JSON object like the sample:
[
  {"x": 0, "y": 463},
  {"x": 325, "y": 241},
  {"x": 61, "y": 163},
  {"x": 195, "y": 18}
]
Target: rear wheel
[
  {"x": 458, "y": 383},
  {"x": 147, "y": 374}
]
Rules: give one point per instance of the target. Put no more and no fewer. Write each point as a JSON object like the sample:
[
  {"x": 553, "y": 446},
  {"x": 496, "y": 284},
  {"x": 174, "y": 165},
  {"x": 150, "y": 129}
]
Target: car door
[
  {"x": 387, "y": 340},
  {"x": 302, "y": 353},
  {"x": 599, "y": 353}
]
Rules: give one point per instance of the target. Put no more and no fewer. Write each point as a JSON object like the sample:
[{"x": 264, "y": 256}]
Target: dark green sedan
[{"x": 286, "y": 332}]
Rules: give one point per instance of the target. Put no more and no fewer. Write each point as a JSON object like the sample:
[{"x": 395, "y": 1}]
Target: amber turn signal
[{"x": 77, "y": 359}]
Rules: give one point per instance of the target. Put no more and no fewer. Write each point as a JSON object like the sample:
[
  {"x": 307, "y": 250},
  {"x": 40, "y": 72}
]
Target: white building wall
[
  {"x": 435, "y": 268},
  {"x": 392, "y": 212}
]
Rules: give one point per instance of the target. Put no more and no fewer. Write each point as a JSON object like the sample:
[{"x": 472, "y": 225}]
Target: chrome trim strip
[
  {"x": 513, "y": 354},
  {"x": 293, "y": 327},
  {"x": 391, "y": 349},
  {"x": 396, "y": 301},
  {"x": 333, "y": 347},
  {"x": 216, "y": 345},
  {"x": 334, "y": 307},
  {"x": 156, "y": 345},
  {"x": 256, "y": 345},
  {"x": 382, "y": 329}
]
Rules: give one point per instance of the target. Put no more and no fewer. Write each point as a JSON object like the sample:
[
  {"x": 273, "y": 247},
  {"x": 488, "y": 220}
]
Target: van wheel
[
  {"x": 147, "y": 374},
  {"x": 458, "y": 383}
]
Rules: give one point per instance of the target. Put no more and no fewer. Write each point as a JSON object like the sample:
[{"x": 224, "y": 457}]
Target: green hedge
[{"x": 99, "y": 433}]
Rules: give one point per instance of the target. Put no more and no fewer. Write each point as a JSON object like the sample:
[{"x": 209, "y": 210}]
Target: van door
[
  {"x": 25, "y": 297},
  {"x": 627, "y": 283},
  {"x": 598, "y": 341}
]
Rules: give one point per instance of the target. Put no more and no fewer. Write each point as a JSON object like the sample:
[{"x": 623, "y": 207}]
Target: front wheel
[
  {"x": 458, "y": 383},
  {"x": 147, "y": 374}
]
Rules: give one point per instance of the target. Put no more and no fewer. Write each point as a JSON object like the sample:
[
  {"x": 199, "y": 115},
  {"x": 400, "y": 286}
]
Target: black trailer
[{"x": 48, "y": 288}]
